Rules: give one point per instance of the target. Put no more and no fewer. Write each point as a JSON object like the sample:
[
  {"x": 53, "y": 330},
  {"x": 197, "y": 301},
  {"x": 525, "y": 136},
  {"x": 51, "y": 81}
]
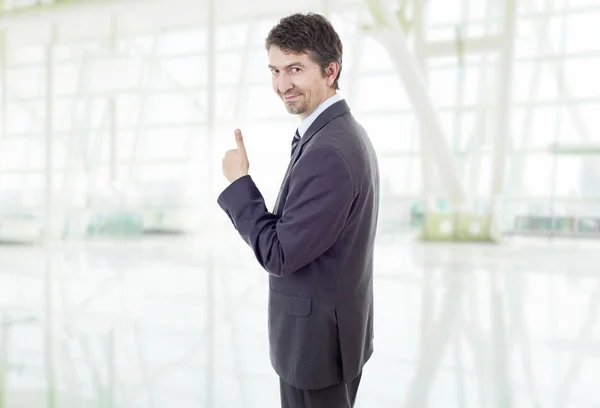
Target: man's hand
[{"x": 235, "y": 162}]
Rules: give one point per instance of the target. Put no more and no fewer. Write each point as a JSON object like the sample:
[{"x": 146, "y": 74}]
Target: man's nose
[{"x": 285, "y": 83}]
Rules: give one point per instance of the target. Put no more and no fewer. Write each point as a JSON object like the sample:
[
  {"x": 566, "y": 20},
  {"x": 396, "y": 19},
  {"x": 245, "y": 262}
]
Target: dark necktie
[{"x": 295, "y": 141}]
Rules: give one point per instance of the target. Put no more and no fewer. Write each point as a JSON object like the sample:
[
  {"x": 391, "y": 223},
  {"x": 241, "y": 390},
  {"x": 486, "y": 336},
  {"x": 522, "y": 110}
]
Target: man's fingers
[{"x": 239, "y": 140}]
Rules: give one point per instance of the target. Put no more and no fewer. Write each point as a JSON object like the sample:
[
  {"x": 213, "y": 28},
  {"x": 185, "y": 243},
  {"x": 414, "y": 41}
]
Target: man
[{"x": 317, "y": 244}]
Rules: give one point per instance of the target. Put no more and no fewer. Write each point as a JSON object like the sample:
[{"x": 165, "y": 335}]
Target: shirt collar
[{"x": 305, "y": 124}]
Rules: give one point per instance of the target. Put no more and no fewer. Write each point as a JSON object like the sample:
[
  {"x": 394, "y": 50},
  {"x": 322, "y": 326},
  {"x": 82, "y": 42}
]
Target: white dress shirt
[{"x": 305, "y": 124}]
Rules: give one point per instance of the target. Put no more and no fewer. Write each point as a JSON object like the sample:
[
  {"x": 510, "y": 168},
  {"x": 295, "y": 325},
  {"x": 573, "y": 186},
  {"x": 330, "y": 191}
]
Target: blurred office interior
[{"x": 124, "y": 285}]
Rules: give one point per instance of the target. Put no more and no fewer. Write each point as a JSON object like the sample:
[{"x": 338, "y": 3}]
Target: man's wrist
[{"x": 239, "y": 177}]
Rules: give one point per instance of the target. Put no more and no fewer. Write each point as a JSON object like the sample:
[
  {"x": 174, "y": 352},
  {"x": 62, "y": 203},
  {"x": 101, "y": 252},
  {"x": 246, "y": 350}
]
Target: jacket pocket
[{"x": 295, "y": 305}]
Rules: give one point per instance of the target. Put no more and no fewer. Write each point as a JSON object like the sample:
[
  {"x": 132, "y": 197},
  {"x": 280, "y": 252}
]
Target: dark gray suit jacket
[{"x": 317, "y": 246}]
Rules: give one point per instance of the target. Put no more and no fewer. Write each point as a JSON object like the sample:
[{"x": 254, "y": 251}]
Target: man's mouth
[{"x": 288, "y": 98}]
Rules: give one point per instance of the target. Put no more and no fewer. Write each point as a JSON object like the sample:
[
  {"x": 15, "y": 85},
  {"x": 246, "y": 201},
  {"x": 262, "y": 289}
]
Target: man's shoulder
[
  {"x": 342, "y": 134},
  {"x": 344, "y": 124}
]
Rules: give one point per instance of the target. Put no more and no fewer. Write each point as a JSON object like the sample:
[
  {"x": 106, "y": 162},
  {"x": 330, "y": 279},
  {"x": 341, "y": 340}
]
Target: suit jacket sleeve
[{"x": 319, "y": 199}]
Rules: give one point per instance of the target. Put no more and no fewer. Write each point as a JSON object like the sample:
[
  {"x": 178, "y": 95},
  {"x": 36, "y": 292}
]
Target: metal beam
[
  {"x": 326, "y": 8},
  {"x": 3, "y": 359},
  {"x": 515, "y": 294},
  {"x": 578, "y": 149},
  {"x": 570, "y": 102},
  {"x": 460, "y": 46},
  {"x": 515, "y": 177},
  {"x": 41, "y": 10},
  {"x": 434, "y": 347},
  {"x": 585, "y": 333},
  {"x": 475, "y": 337},
  {"x": 49, "y": 341},
  {"x": 151, "y": 64},
  {"x": 480, "y": 45},
  {"x": 162, "y": 12},
  {"x": 112, "y": 115},
  {"x": 3, "y": 84},
  {"x": 75, "y": 142},
  {"x": 504, "y": 116},
  {"x": 49, "y": 136},
  {"x": 352, "y": 74},
  {"x": 501, "y": 387},
  {"x": 558, "y": 118},
  {"x": 210, "y": 287},
  {"x": 427, "y": 169},
  {"x": 389, "y": 33},
  {"x": 49, "y": 223},
  {"x": 112, "y": 378},
  {"x": 240, "y": 103},
  {"x": 477, "y": 141},
  {"x": 475, "y": 145}
]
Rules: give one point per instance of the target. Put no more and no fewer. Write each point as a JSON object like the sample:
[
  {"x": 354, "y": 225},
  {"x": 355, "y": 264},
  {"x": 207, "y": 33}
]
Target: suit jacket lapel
[{"x": 337, "y": 109}]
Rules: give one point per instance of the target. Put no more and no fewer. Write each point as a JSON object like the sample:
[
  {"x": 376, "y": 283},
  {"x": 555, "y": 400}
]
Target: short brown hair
[{"x": 308, "y": 33}]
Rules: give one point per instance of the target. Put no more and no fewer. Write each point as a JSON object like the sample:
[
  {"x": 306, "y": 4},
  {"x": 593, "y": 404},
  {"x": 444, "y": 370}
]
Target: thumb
[{"x": 239, "y": 140}]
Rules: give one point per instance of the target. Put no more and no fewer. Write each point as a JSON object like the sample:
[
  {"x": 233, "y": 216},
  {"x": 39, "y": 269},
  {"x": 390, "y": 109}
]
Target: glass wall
[{"x": 128, "y": 110}]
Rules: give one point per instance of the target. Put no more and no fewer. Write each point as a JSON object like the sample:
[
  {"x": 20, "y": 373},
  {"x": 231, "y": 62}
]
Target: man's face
[{"x": 298, "y": 81}]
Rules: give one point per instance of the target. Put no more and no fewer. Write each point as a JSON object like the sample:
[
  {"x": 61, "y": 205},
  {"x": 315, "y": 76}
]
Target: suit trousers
[{"x": 342, "y": 395}]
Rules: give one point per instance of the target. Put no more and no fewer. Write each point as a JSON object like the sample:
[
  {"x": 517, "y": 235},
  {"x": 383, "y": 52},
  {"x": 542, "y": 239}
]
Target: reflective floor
[{"x": 181, "y": 322}]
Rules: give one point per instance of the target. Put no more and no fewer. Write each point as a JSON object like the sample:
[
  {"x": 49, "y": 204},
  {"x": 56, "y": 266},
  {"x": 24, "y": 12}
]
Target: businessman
[{"x": 317, "y": 243}]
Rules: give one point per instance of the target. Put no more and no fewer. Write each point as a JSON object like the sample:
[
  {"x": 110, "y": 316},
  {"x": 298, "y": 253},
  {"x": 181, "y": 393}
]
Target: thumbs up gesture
[{"x": 235, "y": 162}]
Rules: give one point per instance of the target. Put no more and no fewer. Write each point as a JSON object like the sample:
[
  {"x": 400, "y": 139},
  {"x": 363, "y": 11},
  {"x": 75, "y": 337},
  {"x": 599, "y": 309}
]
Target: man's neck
[
  {"x": 329, "y": 94},
  {"x": 307, "y": 121}
]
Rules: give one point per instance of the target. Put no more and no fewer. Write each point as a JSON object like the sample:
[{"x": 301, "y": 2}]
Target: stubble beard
[{"x": 297, "y": 107}]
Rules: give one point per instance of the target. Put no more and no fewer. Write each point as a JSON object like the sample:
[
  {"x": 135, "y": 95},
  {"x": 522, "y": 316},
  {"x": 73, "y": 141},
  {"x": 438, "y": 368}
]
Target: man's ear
[{"x": 331, "y": 72}]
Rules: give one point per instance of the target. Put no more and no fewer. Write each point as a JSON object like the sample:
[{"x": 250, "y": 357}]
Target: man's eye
[{"x": 295, "y": 69}]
